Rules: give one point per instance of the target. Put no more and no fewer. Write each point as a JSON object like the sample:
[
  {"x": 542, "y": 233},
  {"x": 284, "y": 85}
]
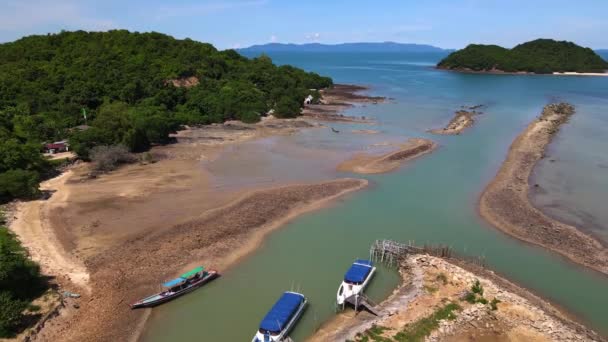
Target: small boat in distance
[
  {"x": 186, "y": 283},
  {"x": 355, "y": 280},
  {"x": 281, "y": 318}
]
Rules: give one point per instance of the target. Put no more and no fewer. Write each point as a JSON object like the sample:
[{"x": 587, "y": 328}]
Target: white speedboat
[
  {"x": 281, "y": 318},
  {"x": 355, "y": 280}
]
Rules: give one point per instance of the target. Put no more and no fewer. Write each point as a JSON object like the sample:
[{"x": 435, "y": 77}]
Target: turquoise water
[{"x": 432, "y": 200}]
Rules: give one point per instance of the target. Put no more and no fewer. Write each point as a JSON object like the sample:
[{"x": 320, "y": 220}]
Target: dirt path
[
  {"x": 38, "y": 236},
  {"x": 505, "y": 202},
  {"x": 368, "y": 164}
]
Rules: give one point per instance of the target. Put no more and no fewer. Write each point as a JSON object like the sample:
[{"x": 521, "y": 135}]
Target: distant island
[
  {"x": 541, "y": 56},
  {"x": 345, "y": 47}
]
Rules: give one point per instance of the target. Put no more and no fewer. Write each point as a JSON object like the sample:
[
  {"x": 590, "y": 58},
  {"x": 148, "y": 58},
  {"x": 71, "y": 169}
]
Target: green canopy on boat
[{"x": 191, "y": 273}]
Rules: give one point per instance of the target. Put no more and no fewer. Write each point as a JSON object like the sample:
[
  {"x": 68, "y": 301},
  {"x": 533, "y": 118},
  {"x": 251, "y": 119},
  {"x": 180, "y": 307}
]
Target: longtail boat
[
  {"x": 281, "y": 318},
  {"x": 174, "y": 288}
]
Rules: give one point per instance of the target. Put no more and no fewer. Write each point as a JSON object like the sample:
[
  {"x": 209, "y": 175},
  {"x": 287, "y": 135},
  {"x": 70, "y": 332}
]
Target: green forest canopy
[
  {"x": 122, "y": 80},
  {"x": 538, "y": 56}
]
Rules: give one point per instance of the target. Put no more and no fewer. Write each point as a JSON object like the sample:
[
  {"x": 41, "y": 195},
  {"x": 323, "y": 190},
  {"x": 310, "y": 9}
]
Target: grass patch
[
  {"x": 373, "y": 334},
  {"x": 442, "y": 278},
  {"x": 430, "y": 289},
  {"x": 420, "y": 329}
]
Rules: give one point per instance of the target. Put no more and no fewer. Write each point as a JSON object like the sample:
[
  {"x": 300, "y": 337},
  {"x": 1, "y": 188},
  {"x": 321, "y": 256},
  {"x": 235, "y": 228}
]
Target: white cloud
[
  {"x": 273, "y": 39},
  {"x": 204, "y": 8},
  {"x": 315, "y": 37},
  {"x": 23, "y": 15}
]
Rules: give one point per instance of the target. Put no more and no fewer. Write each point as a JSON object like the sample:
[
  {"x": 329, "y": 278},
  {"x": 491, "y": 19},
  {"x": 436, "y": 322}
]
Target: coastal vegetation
[
  {"x": 126, "y": 88},
  {"x": 541, "y": 56},
  {"x": 20, "y": 282}
]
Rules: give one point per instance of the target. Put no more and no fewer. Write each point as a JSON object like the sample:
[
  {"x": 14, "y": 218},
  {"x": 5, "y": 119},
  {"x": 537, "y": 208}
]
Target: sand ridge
[
  {"x": 365, "y": 163},
  {"x": 506, "y": 205}
]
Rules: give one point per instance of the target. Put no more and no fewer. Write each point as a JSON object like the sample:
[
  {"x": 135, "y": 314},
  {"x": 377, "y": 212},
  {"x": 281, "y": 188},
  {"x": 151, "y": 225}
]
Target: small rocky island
[{"x": 541, "y": 56}]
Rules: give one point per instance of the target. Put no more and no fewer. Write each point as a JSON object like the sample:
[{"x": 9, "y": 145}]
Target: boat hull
[
  {"x": 356, "y": 289},
  {"x": 152, "y": 302}
]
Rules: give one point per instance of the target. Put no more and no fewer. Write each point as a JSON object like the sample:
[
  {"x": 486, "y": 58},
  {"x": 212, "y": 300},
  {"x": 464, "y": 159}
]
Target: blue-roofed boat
[
  {"x": 174, "y": 288},
  {"x": 281, "y": 318},
  {"x": 355, "y": 280}
]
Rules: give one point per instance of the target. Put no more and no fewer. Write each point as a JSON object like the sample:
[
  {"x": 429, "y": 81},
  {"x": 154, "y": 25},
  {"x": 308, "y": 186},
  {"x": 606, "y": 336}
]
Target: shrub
[
  {"x": 108, "y": 158},
  {"x": 11, "y": 312},
  {"x": 477, "y": 288},
  {"x": 494, "y": 304},
  {"x": 19, "y": 184},
  {"x": 442, "y": 278}
]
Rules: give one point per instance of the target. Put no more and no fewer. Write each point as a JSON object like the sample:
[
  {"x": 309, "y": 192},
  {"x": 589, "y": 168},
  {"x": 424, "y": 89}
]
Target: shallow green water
[{"x": 432, "y": 200}]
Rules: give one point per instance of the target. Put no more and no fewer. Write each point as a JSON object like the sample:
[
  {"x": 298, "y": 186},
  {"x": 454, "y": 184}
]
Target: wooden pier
[
  {"x": 362, "y": 301},
  {"x": 393, "y": 253}
]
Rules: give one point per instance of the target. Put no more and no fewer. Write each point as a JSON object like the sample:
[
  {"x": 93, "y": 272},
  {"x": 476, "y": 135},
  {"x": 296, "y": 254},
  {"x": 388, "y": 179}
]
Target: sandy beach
[
  {"x": 365, "y": 163},
  {"x": 112, "y": 238},
  {"x": 506, "y": 205},
  {"x": 602, "y": 74},
  {"x": 430, "y": 283}
]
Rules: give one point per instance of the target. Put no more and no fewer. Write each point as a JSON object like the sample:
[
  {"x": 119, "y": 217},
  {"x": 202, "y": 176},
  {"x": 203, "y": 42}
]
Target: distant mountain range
[
  {"x": 603, "y": 53},
  {"x": 344, "y": 47}
]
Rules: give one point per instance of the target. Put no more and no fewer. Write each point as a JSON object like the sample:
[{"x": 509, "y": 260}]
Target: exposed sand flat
[
  {"x": 506, "y": 205},
  {"x": 462, "y": 120},
  {"x": 367, "y": 164},
  {"x": 365, "y": 131},
  {"x": 430, "y": 283},
  {"x": 217, "y": 238},
  {"x": 42, "y": 241}
]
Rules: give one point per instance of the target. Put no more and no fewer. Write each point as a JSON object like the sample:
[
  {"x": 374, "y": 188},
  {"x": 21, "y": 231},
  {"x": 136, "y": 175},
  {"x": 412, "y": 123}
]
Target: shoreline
[
  {"x": 364, "y": 163},
  {"x": 521, "y": 73},
  {"x": 87, "y": 217},
  {"x": 505, "y": 202},
  {"x": 338, "y": 98},
  {"x": 428, "y": 283}
]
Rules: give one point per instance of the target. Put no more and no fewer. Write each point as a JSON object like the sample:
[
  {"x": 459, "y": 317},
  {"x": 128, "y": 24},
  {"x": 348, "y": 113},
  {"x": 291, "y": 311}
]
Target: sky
[{"x": 241, "y": 23}]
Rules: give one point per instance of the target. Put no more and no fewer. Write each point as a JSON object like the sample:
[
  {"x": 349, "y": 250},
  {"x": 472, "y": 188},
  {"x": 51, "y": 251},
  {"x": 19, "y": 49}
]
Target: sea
[{"x": 432, "y": 200}]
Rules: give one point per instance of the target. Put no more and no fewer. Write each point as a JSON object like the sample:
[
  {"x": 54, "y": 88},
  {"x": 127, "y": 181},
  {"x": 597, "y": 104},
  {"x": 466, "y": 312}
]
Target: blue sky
[{"x": 240, "y": 23}]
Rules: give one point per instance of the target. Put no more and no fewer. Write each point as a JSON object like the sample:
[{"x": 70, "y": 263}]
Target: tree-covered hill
[
  {"x": 125, "y": 84},
  {"x": 539, "y": 56}
]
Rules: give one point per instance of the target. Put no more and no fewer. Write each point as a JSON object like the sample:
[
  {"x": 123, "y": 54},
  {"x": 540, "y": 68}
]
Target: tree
[
  {"x": 11, "y": 312},
  {"x": 19, "y": 184},
  {"x": 287, "y": 108}
]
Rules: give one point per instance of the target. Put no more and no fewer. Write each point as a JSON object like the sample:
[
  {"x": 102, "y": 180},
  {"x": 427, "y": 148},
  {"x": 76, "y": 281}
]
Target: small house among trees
[{"x": 56, "y": 147}]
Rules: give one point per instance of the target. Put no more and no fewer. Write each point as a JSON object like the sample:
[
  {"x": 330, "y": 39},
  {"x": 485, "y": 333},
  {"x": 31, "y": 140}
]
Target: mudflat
[{"x": 505, "y": 202}]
